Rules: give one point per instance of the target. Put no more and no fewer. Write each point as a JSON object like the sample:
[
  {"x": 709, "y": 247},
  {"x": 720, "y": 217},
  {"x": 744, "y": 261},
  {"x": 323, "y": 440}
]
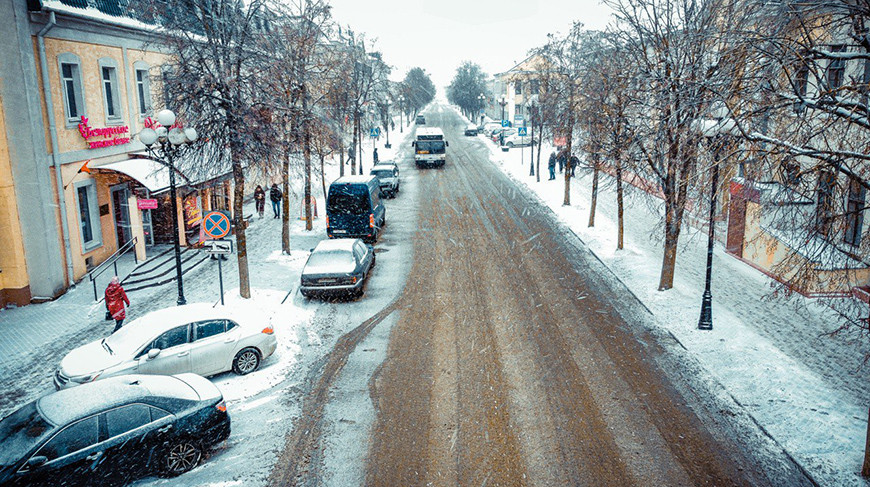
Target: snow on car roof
[
  {"x": 333, "y": 244},
  {"x": 66, "y": 405},
  {"x": 384, "y": 166},
  {"x": 363, "y": 178}
]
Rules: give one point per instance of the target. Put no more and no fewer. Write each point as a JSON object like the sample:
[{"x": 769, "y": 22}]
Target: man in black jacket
[{"x": 275, "y": 195}]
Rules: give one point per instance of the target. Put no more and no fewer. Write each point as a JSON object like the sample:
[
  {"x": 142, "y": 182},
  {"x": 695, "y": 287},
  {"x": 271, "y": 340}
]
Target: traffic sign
[
  {"x": 505, "y": 123},
  {"x": 522, "y": 131},
  {"x": 482, "y": 111},
  {"x": 218, "y": 246},
  {"x": 518, "y": 117},
  {"x": 216, "y": 224},
  {"x": 375, "y": 132}
]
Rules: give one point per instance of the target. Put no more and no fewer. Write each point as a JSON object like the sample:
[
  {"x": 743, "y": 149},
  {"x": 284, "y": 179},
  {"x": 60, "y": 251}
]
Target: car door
[
  {"x": 73, "y": 456},
  {"x": 134, "y": 433},
  {"x": 211, "y": 346},
  {"x": 174, "y": 356}
]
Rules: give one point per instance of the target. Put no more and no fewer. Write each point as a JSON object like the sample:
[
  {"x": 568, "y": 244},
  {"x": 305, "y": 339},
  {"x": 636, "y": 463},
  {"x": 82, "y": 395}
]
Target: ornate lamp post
[
  {"x": 532, "y": 107},
  {"x": 169, "y": 143},
  {"x": 715, "y": 130}
]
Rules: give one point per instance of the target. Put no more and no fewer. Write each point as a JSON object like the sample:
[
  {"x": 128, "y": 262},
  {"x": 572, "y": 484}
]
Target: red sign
[
  {"x": 109, "y": 135},
  {"x": 560, "y": 141},
  {"x": 146, "y": 204}
]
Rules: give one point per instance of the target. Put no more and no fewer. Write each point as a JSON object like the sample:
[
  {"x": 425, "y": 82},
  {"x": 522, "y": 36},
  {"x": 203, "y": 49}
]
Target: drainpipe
[{"x": 52, "y": 130}]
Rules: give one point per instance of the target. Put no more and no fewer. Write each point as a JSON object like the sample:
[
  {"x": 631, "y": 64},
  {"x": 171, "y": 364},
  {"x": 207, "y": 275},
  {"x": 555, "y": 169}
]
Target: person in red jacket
[{"x": 115, "y": 299}]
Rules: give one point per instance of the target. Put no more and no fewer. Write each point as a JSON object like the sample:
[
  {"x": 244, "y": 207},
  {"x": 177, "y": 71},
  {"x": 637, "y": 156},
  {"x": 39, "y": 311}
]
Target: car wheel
[
  {"x": 246, "y": 361},
  {"x": 181, "y": 457},
  {"x": 510, "y": 145}
]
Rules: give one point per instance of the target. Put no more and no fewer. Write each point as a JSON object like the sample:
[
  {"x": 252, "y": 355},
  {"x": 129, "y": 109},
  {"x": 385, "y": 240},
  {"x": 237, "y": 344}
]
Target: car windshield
[
  {"x": 350, "y": 199},
  {"x": 20, "y": 432},
  {"x": 430, "y": 146},
  {"x": 383, "y": 173},
  {"x": 331, "y": 259}
]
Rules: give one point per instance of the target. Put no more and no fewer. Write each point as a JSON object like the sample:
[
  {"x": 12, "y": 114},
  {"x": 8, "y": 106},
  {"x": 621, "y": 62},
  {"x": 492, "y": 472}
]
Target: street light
[
  {"x": 401, "y": 109},
  {"x": 532, "y": 107},
  {"x": 170, "y": 142},
  {"x": 715, "y": 130},
  {"x": 482, "y": 99},
  {"x": 503, "y": 102}
]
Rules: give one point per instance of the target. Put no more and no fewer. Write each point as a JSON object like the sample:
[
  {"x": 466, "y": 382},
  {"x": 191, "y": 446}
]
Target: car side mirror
[
  {"x": 37, "y": 461},
  {"x": 414, "y": 144},
  {"x": 446, "y": 144},
  {"x": 153, "y": 353}
]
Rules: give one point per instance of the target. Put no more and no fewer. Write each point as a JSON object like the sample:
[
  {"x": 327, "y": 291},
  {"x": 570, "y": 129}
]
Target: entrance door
[
  {"x": 120, "y": 203},
  {"x": 736, "y": 225}
]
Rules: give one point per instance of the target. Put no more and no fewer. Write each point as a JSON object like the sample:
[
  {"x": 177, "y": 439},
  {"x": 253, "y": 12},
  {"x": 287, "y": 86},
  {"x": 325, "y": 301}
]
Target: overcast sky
[{"x": 437, "y": 35}]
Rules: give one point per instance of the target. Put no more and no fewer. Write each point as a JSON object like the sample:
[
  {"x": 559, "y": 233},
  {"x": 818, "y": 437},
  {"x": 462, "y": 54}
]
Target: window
[
  {"x": 111, "y": 94},
  {"x": 206, "y": 329},
  {"x": 143, "y": 87},
  {"x": 71, "y": 85},
  {"x": 836, "y": 69},
  {"x": 127, "y": 418},
  {"x": 71, "y": 439},
  {"x": 89, "y": 219},
  {"x": 518, "y": 88},
  {"x": 865, "y": 88},
  {"x": 854, "y": 212},
  {"x": 791, "y": 173},
  {"x": 172, "y": 338},
  {"x": 825, "y": 203},
  {"x": 534, "y": 87}
]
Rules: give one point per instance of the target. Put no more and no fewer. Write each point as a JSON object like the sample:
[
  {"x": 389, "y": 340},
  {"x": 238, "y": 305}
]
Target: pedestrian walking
[
  {"x": 574, "y": 163},
  {"x": 275, "y": 195},
  {"x": 562, "y": 159},
  {"x": 551, "y": 164},
  {"x": 260, "y": 200},
  {"x": 115, "y": 298},
  {"x": 375, "y": 155}
]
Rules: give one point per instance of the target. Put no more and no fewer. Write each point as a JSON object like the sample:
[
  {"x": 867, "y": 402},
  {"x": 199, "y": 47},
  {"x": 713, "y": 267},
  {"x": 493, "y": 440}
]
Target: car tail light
[
  {"x": 268, "y": 330},
  {"x": 221, "y": 406},
  {"x": 372, "y": 220},
  {"x": 327, "y": 222}
]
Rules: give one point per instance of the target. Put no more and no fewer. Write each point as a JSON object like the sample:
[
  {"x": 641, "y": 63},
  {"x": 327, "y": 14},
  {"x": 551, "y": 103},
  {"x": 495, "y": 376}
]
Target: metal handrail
[{"x": 113, "y": 261}]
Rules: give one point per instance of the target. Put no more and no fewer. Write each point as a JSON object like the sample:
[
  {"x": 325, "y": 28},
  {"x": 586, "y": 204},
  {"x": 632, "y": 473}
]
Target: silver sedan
[{"x": 337, "y": 267}]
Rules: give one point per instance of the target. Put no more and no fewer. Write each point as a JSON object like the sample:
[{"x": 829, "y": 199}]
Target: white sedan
[{"x": 195, "y": 338}]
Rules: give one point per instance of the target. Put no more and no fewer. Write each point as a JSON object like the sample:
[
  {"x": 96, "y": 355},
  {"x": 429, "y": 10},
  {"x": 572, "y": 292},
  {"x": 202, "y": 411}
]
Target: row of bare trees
[
  {"x": 784, "y": 86},
  {"x": 272, "y": 87}
]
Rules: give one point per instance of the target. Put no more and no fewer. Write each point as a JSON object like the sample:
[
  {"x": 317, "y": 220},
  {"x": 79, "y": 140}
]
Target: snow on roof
[
  {"x": 333, "y": 244},
  {"x": 94, "y": 14},
  {"x": 362, "y": 178},
  {"x": 67, "y": 405}
]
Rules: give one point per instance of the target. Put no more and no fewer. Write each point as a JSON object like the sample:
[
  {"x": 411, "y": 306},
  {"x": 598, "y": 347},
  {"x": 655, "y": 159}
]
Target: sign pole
[{"x": 221, "y": 277}]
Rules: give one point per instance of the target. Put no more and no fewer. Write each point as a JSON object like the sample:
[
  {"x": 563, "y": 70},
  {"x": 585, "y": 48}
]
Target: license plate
[
  {"x": 422, "y": 152},
  {"x": 339, "y": 231},
  {"x": 326, "y": 281}
]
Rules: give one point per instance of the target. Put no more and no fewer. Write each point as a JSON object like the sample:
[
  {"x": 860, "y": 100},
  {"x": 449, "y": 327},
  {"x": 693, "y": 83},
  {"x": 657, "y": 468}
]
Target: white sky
[{"x": 438, "y": 35}]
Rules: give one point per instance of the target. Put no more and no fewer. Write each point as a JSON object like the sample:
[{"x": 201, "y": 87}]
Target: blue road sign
[
  {"x": 522, "y": 131},
  {"x": 518, "y": 118},
  {"x": 482, "y": 111},
  {"x": 375, "y": 132},
  {"x": 216, "y": 224},
  {"x": 505, "y": 123}
]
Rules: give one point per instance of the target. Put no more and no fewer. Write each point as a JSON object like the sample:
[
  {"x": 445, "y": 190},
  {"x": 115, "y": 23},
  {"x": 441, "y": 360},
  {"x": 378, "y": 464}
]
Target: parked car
[
  {"x": 387, "y": 173},
  {"x": 471, "y": 130},
  {"x": 516, "y": 140},
  {"x": 508, "y": 131},
  {"x": 337, "y": 267},
  {"x": 113, "y": 431},
  {"x": 195, "y": 338},
  {"x": 420, "y": 120},
  {"x": 354, "y": 208}
]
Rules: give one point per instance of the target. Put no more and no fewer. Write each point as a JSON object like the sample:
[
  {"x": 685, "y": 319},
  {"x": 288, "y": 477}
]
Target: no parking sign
[{"x": 216, "y": 224}]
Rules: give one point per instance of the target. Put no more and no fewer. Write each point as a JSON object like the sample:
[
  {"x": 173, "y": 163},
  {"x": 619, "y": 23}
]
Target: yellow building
[{"x": 76, "y": 86}]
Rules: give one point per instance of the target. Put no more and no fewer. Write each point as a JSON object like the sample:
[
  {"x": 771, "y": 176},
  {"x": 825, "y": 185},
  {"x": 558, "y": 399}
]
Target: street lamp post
[
  {"x": 503, "y": 102},
  {"x": 715, "y": 131},
  {"x": 387, "y": 128},
  {"x": 532, "y": 108},
  {"x": 170, "y": 141},
  {"x": 401, "y": 109}
]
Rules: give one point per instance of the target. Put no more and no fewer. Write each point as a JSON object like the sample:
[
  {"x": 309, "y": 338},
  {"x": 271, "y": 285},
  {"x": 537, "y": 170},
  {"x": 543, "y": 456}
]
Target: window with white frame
[
  {"x": 836, "y": 68},
  {"x": 71, "y": 85},
  {"x": 854, "y": 212},
  {"x": 89, "y": 215},
  {"x": 111, "y": 92},
  {"x": 143, "y": 88}
]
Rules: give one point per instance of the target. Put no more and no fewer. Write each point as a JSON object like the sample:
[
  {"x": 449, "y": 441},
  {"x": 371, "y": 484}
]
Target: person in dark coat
[
  {"x": 375, "y": 155},
  {"x": 275, "y": 195},
  {"x": 260, "y": 200},
  {"x": 562, "y": 159},
  {"x": 115, "y": 300},
  {"x": 574, "y": 162},
  {"x": 551, "y": 164}
]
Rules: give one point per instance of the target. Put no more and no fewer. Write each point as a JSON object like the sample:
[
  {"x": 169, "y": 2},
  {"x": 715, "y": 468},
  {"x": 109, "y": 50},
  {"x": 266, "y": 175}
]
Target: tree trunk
[
  {"x": 359, "y": 138},
  {"x": 322, "y": 176},
  {"x": 865, "y": 470},
  {"x": 306, "y": 154},
  {"x": 354, "y": 142},
  {"x": 569, "y": 135},
  {"x": 594, "y": 190},
  {"x": 620, "y": 230},
  {"x": 285, "y": 203},
  {"x": 540, "y": 142},
  {"x": 239, "y": 212},
  {"x": 669, "y": 259},
  {"x": 340, "y": 155}
]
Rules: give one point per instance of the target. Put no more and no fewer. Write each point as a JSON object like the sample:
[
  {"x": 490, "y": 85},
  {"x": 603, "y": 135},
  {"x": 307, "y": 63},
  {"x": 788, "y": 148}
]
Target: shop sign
[
  {"x": 146, "y": 204},
  {"x": 108, "y": 136}
]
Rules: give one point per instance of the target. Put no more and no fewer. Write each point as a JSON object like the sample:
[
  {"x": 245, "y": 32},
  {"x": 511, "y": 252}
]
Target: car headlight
[{"x": 83, "y": 379}]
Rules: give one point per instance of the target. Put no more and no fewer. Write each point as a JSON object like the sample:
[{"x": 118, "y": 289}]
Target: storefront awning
[{"x": 147, "y": 172}]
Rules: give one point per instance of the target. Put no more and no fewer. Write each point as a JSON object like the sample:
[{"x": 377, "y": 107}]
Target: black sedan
[
  {"x": 337, "y": 267},
  {"x": 112, "y": 431},
  {"x": 471, "y": 130}
]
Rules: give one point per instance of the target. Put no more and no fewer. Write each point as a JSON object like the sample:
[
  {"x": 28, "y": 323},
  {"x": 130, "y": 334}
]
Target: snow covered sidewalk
[{"x": 802, "y": 387}]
